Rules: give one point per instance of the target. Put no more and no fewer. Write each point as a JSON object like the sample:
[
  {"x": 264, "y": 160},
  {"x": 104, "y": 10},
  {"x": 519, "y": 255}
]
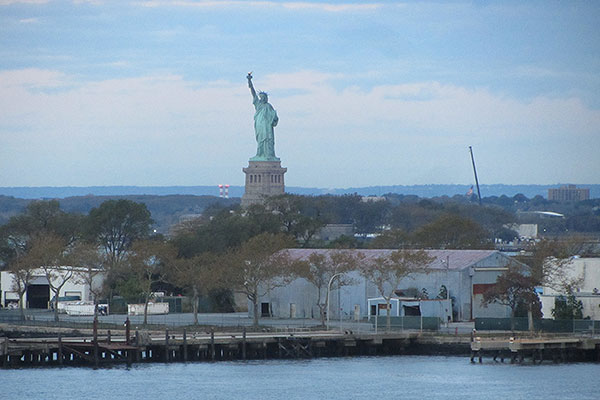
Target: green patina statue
[{"x": 265, "y": 119}]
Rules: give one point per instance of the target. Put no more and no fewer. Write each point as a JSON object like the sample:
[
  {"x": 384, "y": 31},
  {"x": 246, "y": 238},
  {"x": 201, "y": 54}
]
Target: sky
[{"x": 154, "y": 93}]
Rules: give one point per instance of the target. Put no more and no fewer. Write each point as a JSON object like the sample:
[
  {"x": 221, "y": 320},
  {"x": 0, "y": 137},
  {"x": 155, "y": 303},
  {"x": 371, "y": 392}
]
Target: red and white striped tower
[
  {"x": 226, "y": 191},
  {"x": 220, "y": 190}
]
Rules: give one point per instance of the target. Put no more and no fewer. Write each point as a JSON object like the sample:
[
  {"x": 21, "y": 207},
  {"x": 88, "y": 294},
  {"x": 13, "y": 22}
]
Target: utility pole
[{"x": 475, "y": 172}]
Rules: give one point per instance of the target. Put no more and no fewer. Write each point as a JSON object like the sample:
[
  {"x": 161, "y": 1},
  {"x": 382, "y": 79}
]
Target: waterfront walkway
[{"x": 218, "y": 320}]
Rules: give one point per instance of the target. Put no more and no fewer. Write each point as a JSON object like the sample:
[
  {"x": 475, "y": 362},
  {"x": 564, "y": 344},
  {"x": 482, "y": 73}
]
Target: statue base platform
[{"x": 263, "y": 179}]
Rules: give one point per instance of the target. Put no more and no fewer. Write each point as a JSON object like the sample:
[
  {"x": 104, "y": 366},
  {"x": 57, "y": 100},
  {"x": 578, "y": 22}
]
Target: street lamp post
[
  {"x": 447, "y": 262},
  {"x": 328, "y": 290},
  {"x": 447, "y": 277}
]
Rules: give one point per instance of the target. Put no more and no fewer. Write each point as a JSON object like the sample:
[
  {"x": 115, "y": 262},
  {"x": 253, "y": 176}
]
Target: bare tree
[
  {"x": 559, "y": 275},
  {"x": 89, "y": 265},
  {"x": 23, "y": 274},
  {"x": 198, "y": 275},
  {"x": 320, "y": 269},
  {"x": 514, "y": 287},
  {"x": 386, "y": 272},
  {"x": 550, "y": 263},
  {"x": 260, "y": 265},
  {"x": 47, "y": 252},
  {"x": 147, "y": 262}
]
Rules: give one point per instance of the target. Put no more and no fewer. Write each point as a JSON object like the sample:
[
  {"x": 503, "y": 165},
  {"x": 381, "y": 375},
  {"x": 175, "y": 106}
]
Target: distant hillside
[
  {"x": 237, "y": 191},
  {"x": 166, "y": 210},
  {"x": 61, "y": 192}
]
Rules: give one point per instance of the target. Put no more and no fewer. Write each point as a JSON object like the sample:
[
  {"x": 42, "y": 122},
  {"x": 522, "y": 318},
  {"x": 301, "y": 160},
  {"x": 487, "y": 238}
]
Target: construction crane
[{"x": 475, "y": 172}]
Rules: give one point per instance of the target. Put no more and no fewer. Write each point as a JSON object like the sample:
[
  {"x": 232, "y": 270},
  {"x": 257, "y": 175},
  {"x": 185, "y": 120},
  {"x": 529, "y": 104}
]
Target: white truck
[{"x": 153, "y": 309}]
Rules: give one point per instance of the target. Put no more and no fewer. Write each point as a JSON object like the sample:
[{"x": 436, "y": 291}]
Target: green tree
[
  {"x": 39, "y": 217},
  {"x": 453, "y": 232},
  {"x": 567, "y": 307},
  {"x": 116, "y": 224},
  {"x": 293, "y": 219},
  {"x": 227, "y": 230}
]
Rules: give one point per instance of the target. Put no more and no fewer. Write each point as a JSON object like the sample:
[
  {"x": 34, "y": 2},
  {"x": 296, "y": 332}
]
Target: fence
[
  {"x": 229, "y": 321},
  {"x": 402, "y": 323},
  {"x": 543, "y": 325}
]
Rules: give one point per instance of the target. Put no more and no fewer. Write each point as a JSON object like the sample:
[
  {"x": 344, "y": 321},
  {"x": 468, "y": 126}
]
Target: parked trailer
[
  {"x": 153, "y": 308},
  {"x": 81, "y": 308}
]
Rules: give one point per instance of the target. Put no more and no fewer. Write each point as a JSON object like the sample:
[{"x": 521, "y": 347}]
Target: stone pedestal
[{"x": 263, "y": 179}]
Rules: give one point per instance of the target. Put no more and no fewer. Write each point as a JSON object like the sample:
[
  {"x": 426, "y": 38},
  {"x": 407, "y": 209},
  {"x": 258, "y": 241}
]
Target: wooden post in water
[
  {"x": 167, "y": 346},
  {"x": 60, "y": 352},
  {"x": 96, "y": 341},
  {"x": 108, "y": 338},
  {"x": 127, "y": 330},
  {"x": 137, "y": 346},
  {"x": 244, "y": 344},
  {"x": 212, "y": 344},
  {"x": 5, "y": 351},
  {"x": 185, "y": 348}
]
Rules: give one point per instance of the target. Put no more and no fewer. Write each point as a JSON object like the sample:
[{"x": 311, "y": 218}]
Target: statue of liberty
[{"x": 265, "y": 119}]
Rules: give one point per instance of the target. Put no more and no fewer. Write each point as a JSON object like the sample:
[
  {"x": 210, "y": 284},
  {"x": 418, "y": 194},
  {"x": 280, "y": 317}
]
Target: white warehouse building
[
  {"x": 38, "y": 293},
  {"x": 467, "y": 274},
  {"x": 587, "y": 272}
]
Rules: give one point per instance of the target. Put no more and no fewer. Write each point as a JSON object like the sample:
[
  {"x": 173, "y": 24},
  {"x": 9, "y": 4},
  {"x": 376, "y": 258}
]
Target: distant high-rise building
[{"x": 568, "y": 193}]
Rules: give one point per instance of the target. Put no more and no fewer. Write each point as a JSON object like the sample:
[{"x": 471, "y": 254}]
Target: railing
[
  {"x": 230, "y": 321},
  {"x": 578, "y": 326},
  {"x": 406, "y": 323}
]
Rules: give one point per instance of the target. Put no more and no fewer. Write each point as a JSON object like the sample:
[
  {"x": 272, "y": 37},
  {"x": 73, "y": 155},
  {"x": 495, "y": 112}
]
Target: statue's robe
[{"x": 265, "y": 118}]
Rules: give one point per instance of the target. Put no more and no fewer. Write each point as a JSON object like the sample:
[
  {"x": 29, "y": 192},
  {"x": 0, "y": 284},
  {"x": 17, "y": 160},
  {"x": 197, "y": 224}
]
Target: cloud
[
  {"x": 532, "y": 71},
  {"x": 294, "y": 5},
  {"x": 31, "y": 78},
  {"x": 9, "y": 2},
  {"x": 29, "y": 20},
  {"x": 434, "y": 107},
  {"x": 53, "y": 125},
  {"x": 332, "y": 7}
]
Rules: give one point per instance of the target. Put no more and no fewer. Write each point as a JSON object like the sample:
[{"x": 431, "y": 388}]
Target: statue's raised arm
[{"x": 250, "y": 85}]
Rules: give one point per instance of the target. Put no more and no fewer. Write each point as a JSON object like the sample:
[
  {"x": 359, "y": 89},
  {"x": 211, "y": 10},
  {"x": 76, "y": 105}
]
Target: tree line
[
  {"x": 231, "y": 249},
  {"x": 241, "y": 251}
]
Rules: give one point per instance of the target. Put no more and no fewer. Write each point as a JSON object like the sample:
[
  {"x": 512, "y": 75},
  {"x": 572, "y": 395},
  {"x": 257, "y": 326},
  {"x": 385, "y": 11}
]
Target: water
[{"x": 403, "y": 377}]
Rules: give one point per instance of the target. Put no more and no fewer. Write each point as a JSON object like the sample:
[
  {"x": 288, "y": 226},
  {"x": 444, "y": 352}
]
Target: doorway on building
[
  {"x": 265, "y": 310},
  {"x": 38, "y": 296},
  {"x": 374, "y": 309}
]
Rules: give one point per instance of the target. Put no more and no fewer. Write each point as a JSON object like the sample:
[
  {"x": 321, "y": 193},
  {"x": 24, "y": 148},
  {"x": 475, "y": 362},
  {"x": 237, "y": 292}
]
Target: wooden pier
[
  {"x": 143, "y": 346},
  {"x": 537, "y": 349}
]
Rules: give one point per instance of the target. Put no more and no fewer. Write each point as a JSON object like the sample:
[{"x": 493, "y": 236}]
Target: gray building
[{"x": 466, "y": 274}]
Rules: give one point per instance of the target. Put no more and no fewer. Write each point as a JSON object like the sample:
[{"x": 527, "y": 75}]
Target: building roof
[{"x": 458, "y": 259}]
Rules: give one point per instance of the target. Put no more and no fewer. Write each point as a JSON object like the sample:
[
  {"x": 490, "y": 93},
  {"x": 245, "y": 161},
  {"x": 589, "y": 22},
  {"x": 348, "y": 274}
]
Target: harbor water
[{"x": 398, "y": 377}]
